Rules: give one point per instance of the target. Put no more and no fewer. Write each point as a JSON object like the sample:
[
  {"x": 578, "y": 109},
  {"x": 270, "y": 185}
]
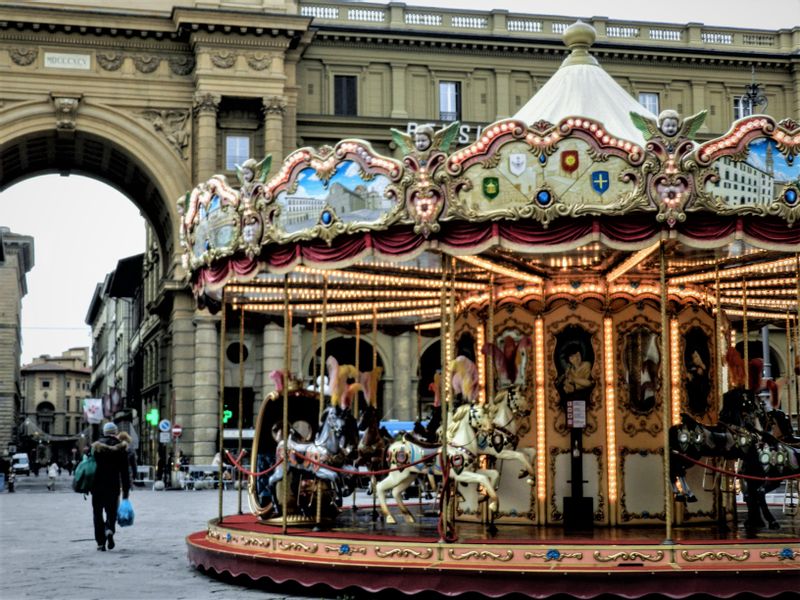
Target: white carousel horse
[
  {"x": 462, "y": 454},
  {"x": 329, "y": 447},
  {"x": 508, "y": 413}
]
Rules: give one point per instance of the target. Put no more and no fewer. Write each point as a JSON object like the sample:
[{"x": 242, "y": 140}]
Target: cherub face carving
[
  {"x": 422, "y": 141},
  {"x": 669, "y": 126}
]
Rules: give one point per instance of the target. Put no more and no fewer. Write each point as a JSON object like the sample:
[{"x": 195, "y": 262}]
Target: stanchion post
[
  {"x": 241, "y": 406},
  {"x": 221, "y": 415}
]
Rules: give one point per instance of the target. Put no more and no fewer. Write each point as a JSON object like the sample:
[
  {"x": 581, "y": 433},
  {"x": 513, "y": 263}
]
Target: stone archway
[{"x": 68, "y": 136}]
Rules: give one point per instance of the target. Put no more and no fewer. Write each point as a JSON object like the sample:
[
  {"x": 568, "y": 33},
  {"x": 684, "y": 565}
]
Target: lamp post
[{"x": 754, "y": 96}]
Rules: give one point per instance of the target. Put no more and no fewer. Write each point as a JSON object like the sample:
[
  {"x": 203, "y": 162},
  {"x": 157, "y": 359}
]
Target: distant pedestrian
[
  {"x": 52, "y": 473},
  {"x": 111, "y": 455}
]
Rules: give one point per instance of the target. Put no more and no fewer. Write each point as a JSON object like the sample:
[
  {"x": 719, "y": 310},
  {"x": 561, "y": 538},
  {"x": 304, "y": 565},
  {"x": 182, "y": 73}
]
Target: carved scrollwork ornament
[
  {"x": 259, "y": 62},
  {"x": 181, "y": 65},
  {"x": 23, "y": 56},
  {"x": 66, "y": 111},
  {"x": 146, "y": 64},
  {"x": 223, "y": 60},
  {"x": 110, "y": 61}
]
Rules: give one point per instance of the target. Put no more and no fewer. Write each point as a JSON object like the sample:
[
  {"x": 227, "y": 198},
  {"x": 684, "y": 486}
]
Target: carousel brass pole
[
  {"x": 451, "y": 328},
  {"x": 287, "y": 358},
  {"x": 666, "y": 390},
  {"x": 790, "y": 375},
  {"x": 374, "y": 337},
  {"x": 796, "y": 365},
  {"x": 314, "y": 352},
  {"x": 745, "y": 334},
  {"x": 322, "y": 389},
  {"x": 358, "y": 367},
  {"x": 490, "y": 339},
  {"x": 241, "y": 402},
  {"x": 718, "y": 339},
  {"x": 445, "y": 396},
  {"x": 419, "y": 372},
  {"x": 220, "y": 423}
]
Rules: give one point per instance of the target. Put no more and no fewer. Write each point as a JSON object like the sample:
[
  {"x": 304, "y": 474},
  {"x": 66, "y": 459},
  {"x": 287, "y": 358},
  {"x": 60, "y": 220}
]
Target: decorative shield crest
[
  {"x": 569, "y": 161},
  {"x": 600, "y": 181},
  {"x": 517, "y": 163},
  {"x": 401, "y": 457},
  {"x": 457, "y": 463},
  {"x": 498, "y": 441},
  {"x": 491, "y": 187}
]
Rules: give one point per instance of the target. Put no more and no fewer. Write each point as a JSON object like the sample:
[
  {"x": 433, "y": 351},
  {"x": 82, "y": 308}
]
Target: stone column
[
  {"x": 399, "y": 109},
  {"x": 182, "y": 365},
  {"x": 402, "y": 408},
  {"x": 698, "y": 101},
  {"x": 205, "y": 112},
  {"x": 796, "y": 89},
  {"x": 271, "y": 354},
  {"x": 502, "y": 85},
  {"x": 205, "y": 423},
  {"x": 274, "y": 110}
]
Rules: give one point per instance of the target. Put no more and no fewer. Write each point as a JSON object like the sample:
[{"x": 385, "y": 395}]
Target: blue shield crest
[{"x": 600, "y": 181}]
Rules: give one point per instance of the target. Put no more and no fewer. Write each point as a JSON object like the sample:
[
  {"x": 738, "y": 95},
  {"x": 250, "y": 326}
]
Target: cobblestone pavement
[{"x": 47, "y": 547}]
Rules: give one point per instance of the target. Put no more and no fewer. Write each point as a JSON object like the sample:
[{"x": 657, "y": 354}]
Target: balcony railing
[{"x": 400, "y": 17}]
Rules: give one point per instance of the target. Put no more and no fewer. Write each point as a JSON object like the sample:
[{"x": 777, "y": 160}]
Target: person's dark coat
[{"x": 111, "y": 455}]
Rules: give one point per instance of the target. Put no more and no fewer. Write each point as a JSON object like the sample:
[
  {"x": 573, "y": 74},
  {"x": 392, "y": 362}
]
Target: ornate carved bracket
[{"x": 66, "y": 108}]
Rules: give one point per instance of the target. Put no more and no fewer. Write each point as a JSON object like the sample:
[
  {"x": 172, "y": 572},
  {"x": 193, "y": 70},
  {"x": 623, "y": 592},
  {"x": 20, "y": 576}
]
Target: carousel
[{"x": 595, "y": 279}]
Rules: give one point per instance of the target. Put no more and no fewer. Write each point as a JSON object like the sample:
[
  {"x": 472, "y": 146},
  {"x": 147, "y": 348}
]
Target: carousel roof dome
[{"x": 581, "y": 87}]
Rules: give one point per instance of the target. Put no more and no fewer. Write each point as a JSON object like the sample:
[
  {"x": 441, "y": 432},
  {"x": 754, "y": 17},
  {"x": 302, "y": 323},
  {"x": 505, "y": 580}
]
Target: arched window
[{"x": 45, "y": 416}]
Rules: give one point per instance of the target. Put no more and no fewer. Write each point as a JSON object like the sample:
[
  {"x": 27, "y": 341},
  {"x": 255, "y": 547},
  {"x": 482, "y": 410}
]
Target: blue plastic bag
[{"x": 125, "y": 513}]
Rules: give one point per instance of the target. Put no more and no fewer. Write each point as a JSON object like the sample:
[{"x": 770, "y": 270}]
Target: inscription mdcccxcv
[{"x": 60, "y": 60}]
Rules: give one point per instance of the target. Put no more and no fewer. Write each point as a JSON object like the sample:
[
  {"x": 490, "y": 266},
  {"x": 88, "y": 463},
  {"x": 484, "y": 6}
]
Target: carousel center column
[
  {"x": 402, "y": 408},
  {"x": 274, "y": 111},
  {"x": 206, "y": 387},
  {"x": 205, "y": 112}
]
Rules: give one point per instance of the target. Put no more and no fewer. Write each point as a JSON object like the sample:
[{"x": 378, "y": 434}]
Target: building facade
[
  {"x": 53, "y": 391},
  {"x": 16, "y": 260},
  {"x": 157, "y": 100}
]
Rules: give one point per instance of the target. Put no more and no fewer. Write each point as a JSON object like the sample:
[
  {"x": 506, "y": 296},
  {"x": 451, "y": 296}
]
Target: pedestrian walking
[
  {"x": 111, "y": 455},
  {"x": 52, "y": 473}
]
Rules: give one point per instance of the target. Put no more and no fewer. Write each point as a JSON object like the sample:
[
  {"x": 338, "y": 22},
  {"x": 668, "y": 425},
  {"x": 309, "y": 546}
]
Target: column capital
[
  {"x": 204, "y": 319},
  {"x": 205, "y": 103},
  {"x": 274, "y": 105}
]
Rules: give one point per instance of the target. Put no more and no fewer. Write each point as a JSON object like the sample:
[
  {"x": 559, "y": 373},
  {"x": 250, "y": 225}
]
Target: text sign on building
[{"x": 62, "y": 60}]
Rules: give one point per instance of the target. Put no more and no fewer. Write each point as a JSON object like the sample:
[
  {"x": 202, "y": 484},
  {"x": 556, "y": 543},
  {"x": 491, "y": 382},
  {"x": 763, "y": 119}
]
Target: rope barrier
[
  {"x": 235, "y": 461},
  {"x": 734, "y": 473}
]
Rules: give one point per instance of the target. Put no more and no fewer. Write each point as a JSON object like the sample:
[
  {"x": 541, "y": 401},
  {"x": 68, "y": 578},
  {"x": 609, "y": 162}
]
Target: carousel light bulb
[
  {"x": 611, "y": 435},
  {"x": 541, "y": 446},
  {"x": 675, "y": 371}
]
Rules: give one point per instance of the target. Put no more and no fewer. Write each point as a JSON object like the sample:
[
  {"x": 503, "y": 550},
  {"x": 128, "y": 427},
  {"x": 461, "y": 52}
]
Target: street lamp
[{"x": 754, "y": 96}]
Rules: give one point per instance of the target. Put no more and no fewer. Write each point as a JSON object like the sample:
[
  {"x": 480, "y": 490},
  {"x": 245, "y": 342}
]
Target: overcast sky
[{"x": 82, "y": 227}]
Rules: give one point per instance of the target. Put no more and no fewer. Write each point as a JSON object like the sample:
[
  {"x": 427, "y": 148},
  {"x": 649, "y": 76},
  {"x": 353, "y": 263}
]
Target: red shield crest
[{"x": 569, "y": 161}]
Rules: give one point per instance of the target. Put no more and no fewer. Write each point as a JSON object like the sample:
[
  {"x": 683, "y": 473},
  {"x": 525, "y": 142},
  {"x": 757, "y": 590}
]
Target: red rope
[
  {"x": 236, "y": 463},
  {"x": 363, "y": 473},
  {"x": 734, "y": 473}
]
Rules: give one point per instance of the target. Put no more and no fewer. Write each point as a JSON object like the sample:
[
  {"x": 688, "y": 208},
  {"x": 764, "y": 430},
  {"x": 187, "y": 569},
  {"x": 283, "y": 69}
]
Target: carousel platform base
[{"x": 537, "y": 562}]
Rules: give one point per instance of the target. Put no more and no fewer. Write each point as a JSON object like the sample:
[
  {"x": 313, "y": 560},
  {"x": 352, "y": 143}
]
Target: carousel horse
[
  {"x": 508, "y": 413},
  {"x": 332, "y": 445},
  {"x": 462, "y": 455},
  {"x": 741, "y": 434}
]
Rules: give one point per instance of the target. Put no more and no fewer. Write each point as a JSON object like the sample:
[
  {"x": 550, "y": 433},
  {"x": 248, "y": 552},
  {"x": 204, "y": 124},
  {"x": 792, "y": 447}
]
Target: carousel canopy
[{"x": 582, "y": 87}]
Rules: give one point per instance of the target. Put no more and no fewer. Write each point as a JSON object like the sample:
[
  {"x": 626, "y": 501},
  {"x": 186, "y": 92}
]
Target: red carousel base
[{"x": 374, "y": 557}]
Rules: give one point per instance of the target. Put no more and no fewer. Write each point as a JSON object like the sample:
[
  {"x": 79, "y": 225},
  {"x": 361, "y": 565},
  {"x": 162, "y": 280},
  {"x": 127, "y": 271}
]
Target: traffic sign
[
  {"x": 177, "y": 430},
  {"x": 164, "y": 425}
]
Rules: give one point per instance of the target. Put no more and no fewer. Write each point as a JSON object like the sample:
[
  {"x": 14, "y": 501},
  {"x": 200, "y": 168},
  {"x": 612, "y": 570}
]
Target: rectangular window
[
  {"x": 742, "y": 107},
  {"x": 449, "y": 100},
  {"x": 237, "y": 150},
  {"x": 45, "y": 383},
  {"x": 650, "y": 101},
  {"x": 69, "y": 383},
  {"x": 345, "y": 95}
]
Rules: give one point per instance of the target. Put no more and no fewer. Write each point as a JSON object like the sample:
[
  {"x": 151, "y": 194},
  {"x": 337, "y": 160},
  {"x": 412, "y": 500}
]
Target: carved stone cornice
[
  {"x": 23, "y": 56},
  {"x": 274, "y": 105},
  {"x": 66, "y": 109},
  {"x": 205, "y": 103}
]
